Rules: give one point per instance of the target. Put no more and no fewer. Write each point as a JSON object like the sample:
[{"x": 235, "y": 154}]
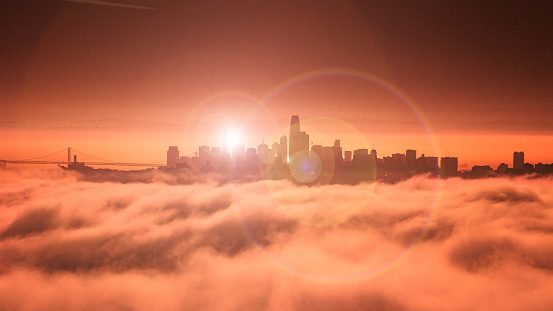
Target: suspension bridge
[{"x": 69, "y": 155}]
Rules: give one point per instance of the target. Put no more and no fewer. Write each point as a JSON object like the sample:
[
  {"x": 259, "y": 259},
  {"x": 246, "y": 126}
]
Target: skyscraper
[
  {"x": 411, "y": 158},
  {"x": 347, "y": 156},
  {"x": 518, "y": 160},
  {"x": 298, "y": 140},
  {"x": 449, "y": 166},
  {"x": 337, "y": 152},
  {"x": 172, "y": 156},
  {"x": 263, "y": 153},
  {"x": 283, "y": 148}
]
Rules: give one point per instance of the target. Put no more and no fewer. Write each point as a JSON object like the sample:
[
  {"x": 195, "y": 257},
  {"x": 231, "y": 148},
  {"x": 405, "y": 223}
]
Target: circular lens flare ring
[{"x": 305, "y": 177}]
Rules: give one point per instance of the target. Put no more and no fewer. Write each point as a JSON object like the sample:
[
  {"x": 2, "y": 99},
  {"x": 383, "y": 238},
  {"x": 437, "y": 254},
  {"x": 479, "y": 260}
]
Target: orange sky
[{"x": 124, "y": 82}]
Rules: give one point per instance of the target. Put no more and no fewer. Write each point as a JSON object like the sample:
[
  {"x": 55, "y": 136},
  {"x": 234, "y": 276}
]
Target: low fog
[{"x": 421, "y": 244}]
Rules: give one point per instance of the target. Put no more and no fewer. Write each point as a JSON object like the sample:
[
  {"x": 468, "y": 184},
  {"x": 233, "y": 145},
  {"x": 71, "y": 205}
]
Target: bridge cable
[
  {"x": 44, "y": 156},
  {"x": 88, "y": 155}
]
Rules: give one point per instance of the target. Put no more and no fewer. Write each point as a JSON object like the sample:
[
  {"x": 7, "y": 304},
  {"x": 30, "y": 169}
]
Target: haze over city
[
  {"x": 131, "y": 81},
  {"x": 268, "y": 155}
]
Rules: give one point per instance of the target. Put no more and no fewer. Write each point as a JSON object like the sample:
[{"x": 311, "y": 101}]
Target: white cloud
[{"x": 487, "y": 244}]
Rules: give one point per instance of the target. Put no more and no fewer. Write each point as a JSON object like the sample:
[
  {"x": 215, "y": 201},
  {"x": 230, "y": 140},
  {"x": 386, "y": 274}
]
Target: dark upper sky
[{"x": 468, "y": 65}]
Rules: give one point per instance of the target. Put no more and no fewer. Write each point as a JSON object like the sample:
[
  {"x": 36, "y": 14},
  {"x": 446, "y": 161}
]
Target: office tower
[
  {"x": 216, "y": 152},
  {"x": 299, "y": 141},
  {"x": 399, "y": 158},
  {"x": 481, "y": 170},
  {"x": 172, "y": 156},
  {"x": 388, "y": 162},
  {"x": 318, "y": 150},
  {"x": 238, "y": 153},
  {"x": 328, "y": 155},
  {"x": 337, "y": 152},
  {"x": 420, "y": 164},
  {"x": 432, "y": 164},
  {"x": 215, "y": 156},
  {"x": 411, "y": 158},
  {"x": 251, "y": 156},
  {"x": 449, "y": 166},
  {"x": 373, "y": 154},
  {"x": 347, "y": 156},
  {"x": 283, "y": 150},
  {"x": 317, "y": 156},
  {"x": 204, "y": 154},
  {"x": 361, "y": 158},
  {"x": 263, "y": 153},
  {"x": 518, "y": 160},
  {"x": 275, "y": 149}
]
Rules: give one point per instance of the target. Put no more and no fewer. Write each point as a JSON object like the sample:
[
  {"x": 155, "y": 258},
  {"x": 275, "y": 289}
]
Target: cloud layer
[{"x": 420, "y": 244}]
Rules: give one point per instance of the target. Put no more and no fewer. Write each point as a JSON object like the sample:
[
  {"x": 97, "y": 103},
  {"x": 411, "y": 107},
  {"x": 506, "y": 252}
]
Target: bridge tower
[{"x": 68, "y": 156}]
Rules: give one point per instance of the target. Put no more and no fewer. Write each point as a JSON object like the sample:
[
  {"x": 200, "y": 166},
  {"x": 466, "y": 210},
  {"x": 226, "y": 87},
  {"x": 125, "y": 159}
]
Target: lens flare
[{"x": 304, "y": 170}]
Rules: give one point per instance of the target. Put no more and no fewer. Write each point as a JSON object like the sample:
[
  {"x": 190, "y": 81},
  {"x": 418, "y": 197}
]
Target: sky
[
  {"x": 169, "y": 244},
  {"x": 125, "y": 79}
]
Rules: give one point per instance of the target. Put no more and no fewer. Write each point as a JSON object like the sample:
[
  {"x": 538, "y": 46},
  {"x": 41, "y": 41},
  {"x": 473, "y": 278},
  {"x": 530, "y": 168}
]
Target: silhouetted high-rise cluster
[{"x": 290, "y": 157}]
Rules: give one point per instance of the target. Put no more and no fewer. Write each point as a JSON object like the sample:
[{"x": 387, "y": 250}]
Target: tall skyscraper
[
  {"x": 172, "y": 156},
  {"x": 263, "y": 153},
  {"x": 283, "y": 148},
  {"x": 337, "y": 153},
  {"x": 294, "y": 126},
  {"x": 518, "y": 160},
  {"x": 298, "y": 140},
  {"x": 411, "y": 158}
]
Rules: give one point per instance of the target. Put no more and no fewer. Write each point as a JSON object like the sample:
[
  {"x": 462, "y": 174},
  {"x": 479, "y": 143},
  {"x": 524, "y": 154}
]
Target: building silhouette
[
  {"x": 518, "y": 160},
  {"x": 204, "y": 154},
  {"x": 299, "y": 141},
  {"x": 427, "y": 164},
  {"x": 317, "y": 150},
  {"x": 290, "y": 157},
  {"x": 238, "y": 155},
  {"x": 337, "y": 149},
  {"x": 502, "y": 168},
  {"x": 411, "y": 159},
  {"x": 449, "y": 166},
  {"x": 283, "y": 148},
  {"x": 263, "y": 153},
  {"x": 347, "y": 156},
  {"x": 172, "y": 156},
  {"x": 480, "y": 171}
]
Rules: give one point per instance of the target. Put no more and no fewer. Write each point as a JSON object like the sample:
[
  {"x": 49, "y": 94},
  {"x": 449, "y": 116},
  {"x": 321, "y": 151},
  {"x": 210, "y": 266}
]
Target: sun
[{"x": 233, "y": 136}]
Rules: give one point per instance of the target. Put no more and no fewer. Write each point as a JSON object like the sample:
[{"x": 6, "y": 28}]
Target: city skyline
[
  {"x": 183, "y": 71},
  {"x": 223, "y": 155},
  {"x": 265, "y": 155}
]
